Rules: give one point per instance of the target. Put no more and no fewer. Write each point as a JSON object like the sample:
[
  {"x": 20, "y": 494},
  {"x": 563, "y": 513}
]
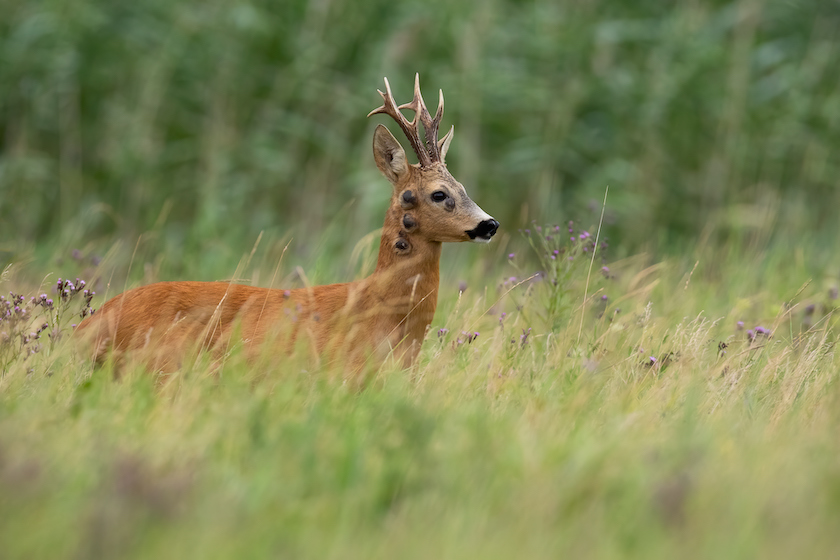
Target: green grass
[
  {"x": 559, "y": 446},
  {"x": 213, "y": 140}
]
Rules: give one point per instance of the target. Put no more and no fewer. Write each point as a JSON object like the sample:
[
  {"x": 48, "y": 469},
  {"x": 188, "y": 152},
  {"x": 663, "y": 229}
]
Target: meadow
[
  {"x": 687, "y": 410},
  {"x": 660, "y": 384}
]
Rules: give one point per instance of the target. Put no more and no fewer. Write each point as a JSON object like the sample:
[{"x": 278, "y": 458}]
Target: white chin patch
[{"x": 482, "y": 240}]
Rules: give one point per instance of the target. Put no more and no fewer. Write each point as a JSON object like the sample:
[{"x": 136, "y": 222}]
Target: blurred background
[{"x": 195, "y": 125}]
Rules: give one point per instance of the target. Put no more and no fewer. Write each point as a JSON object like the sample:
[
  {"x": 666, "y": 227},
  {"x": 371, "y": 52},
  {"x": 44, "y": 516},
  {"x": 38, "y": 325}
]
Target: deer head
[{"x": 435, "y": 205}]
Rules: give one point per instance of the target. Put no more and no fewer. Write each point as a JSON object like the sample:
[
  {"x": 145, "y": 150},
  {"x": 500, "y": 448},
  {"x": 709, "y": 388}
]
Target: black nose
[{"x": 485, "y": 229}]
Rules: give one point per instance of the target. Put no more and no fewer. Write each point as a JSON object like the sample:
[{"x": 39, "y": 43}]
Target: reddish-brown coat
[{"x": 384, "y": 314}]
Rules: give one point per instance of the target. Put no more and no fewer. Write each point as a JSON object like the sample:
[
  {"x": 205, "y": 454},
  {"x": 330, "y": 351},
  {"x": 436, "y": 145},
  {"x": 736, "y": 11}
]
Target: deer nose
[{"x": 484, "y": 230}]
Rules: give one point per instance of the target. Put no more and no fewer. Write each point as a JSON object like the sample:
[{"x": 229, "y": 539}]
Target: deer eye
[{"x": 439, "y": 196}]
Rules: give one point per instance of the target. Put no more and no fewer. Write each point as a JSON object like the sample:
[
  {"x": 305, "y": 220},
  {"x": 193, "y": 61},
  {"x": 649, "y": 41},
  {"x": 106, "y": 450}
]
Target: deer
[{"x": 386, "y": 314}]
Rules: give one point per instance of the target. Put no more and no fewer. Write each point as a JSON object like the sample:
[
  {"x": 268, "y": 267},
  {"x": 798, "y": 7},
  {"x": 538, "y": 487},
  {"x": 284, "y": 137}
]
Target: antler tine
[
  {"x": 430, "y": 125},
  {"x": 389, "y": 107}
]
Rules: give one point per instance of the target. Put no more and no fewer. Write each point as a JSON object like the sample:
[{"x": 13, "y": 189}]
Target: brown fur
[{"x": 385, "y": 313}]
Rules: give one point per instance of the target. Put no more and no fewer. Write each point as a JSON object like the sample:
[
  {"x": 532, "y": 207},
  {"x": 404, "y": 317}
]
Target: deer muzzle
[{"x": 484, "y": 231}]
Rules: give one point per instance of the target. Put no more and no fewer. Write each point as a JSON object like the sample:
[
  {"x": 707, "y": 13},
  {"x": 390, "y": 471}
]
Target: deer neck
[{"x": 408, "y": 267}]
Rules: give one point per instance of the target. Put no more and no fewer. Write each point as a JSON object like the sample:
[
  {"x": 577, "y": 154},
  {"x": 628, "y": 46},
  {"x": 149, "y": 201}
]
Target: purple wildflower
[
  {"x": 511, "y": 255},
  {"x": 739, "y": 325}
]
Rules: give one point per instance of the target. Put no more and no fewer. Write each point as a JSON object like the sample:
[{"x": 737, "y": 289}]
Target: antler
[{"x": 428, "y": 152}]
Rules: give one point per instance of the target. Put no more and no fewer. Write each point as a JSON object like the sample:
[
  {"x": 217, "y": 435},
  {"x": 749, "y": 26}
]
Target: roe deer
[{"x": 387, "y": 312}]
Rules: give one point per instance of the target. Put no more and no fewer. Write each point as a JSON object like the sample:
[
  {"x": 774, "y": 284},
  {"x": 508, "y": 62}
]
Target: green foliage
[
  {"x": 165, "y": 139},
  {"x": 209, "y": 122}
]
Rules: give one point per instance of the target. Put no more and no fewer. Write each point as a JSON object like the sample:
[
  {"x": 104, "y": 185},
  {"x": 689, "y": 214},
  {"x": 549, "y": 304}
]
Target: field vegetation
[{"x": 659, "y": 384}]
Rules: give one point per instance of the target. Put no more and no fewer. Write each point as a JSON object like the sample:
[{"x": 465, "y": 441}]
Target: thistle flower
[
  {"x": 465, "y": 337},
  {"x": 762, "y": 332},
  {"x": 511, "y": 256}
]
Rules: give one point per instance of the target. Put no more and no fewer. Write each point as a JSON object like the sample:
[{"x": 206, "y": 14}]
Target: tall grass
[
  {"x": 687, "y": 408},
  {"x": 666, "y": 429}
]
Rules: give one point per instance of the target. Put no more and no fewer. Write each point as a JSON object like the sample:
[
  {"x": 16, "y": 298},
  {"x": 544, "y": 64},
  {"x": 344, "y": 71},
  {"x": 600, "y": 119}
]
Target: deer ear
[
  {"x": 389, "y": 155},
  {"x": 443, "y": 144}
]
